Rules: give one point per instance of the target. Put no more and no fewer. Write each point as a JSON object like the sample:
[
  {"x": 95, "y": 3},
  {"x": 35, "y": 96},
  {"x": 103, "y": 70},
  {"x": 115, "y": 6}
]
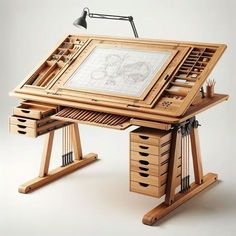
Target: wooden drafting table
[{"x": 117, "y": 83}]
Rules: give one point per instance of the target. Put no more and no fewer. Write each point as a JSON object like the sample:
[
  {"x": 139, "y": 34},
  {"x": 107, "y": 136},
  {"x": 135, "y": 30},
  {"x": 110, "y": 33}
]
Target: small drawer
[
  {"x": 33, "y": 111},
  {"x": 18, "y": 120},
  {"x": 139, "y": 138},
  {"x": 150, "y": 136},
  {"x": 153, "y": 169},
  {"x": 23, "y": 130},
  {"x": 32, "y": 123},
  {"x": 146, "y": 158},
  {"x": 148, "y": 169},
  {"x": 147, "y": 189},
  {"x": 150, "y": 190},
  {"x": 41, "y": 104},
  {"x": 148, "y": 179},
  {"x": 34, "y": 132},
  {"x": 146, "y": 148}
]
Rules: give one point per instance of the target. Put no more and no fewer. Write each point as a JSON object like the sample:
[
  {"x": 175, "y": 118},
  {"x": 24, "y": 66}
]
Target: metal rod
[{"x": 114, "y": 17}]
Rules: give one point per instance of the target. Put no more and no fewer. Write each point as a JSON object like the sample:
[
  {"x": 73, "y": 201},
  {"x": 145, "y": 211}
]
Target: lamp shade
[{"x": 81, "y": 21}]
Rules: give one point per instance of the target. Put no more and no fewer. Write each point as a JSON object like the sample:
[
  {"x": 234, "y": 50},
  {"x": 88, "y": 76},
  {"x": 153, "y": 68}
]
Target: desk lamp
[{"x": 81, "y": 21}]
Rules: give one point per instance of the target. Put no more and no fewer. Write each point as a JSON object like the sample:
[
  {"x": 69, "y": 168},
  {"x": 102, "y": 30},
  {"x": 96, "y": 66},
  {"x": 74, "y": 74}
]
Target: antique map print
[{"x": 121, "y": 71}]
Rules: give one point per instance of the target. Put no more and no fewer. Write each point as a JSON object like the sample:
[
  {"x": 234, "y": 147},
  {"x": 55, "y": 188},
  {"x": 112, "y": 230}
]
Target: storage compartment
[
  {"x": 156, "y": 180},
  {"x": 34, "y": 118},
  {"x": 145, "y": 148},
  {"x": 146, "y": 158},
  {"x": 149, "y": 160},
  {"x": 150, "y": 136},
  {"x": 148, "y": 169},
  {"x": 148, "y": 179},
  {"x": 18, "y": 120},
  {"x": 35, "y": 128},
  {"x": 147, "y": 189},
  {"x": 54, "y": 64},
  {"x": 33, "y": 111},
  {"x": 150, "y": 190},
  {"x": 23, "y": 130}
]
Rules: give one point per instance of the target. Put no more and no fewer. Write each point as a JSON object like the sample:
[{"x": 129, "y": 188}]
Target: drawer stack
[
  {"x": 149, "y": 157},
  {"x": 33, "y": 119}
]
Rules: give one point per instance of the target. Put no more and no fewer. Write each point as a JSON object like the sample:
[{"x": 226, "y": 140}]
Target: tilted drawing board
[
  {"x": 119, "y": 71},
  {"x": 152, "y": 76}
]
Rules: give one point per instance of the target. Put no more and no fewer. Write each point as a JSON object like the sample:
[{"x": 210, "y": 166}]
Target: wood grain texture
[
  {"x": 163, "y": 209},
  {"x": 165, "y": 97},
  {"x": 57, "y": 173},
  {"x": 46, "y": 154},
  {"x": 173, "y": 167},
  {"x": 196, "y": 154},
  {"x": 76, "y": 142},
  {"x": 134, "y": 112}
]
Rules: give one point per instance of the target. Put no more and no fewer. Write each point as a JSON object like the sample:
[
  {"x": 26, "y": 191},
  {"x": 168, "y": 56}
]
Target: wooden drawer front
[
  {"x": 23, "y": 130},
  {"x": 144, "y": 139},
  {"x": 17, "y": 120},
  {"x": 33, "y": 111},
  {"x": 146, "y": 148},
  {"x": 150, "y": 136},
  {"x": 150, "y": 190},
  {"x": 146, "y": 158},
  {"x": 148, "y": 179},
  {"x": 147, "y": 189},
  {"x": 148, "y": 169},
  {"x": 151, "y": 179},
  {"x": 34, "y": 132},
  {"x": 40, "y": 104}
]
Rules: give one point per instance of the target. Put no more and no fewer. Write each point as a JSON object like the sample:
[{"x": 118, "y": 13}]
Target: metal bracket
[{"x": 187, "y": 126}]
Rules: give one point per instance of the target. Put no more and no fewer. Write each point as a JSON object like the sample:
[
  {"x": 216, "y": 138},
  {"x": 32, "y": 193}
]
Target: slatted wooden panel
[{"x": 93, "y": 117}]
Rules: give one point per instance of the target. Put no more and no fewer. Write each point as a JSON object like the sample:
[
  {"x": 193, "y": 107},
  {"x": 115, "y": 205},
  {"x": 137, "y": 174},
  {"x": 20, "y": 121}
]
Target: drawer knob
[
  {"x": 143, "y": 147},
  {"x": 143, "y": 185}
]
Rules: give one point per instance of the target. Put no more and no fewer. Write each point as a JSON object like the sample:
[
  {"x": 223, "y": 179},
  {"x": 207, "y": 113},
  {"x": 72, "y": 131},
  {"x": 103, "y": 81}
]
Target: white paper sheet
[{"x": 116, "y": 70}]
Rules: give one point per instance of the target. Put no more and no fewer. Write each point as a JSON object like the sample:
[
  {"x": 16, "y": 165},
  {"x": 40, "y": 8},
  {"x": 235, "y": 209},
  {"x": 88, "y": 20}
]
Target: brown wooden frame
[
  {"x": 46, "y": 176},
  {"x": 155, "y": 101},
  {"x": 146, "y": 112}
]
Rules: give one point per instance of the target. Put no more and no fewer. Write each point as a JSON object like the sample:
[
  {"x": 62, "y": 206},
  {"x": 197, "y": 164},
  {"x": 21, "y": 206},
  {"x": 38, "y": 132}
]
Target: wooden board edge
[{"x": 162, "y": 210}]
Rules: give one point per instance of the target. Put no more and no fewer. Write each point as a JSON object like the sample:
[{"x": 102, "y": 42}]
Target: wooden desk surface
[
  {"x": 165, "y": 96},
  {"x": 198, "y": 107}
]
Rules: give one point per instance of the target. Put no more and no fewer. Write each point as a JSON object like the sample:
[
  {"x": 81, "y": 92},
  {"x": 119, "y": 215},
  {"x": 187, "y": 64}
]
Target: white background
[{"x": 96, "y": 200}]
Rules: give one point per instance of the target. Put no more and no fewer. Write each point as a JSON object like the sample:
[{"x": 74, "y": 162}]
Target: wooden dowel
[
  {"x": 107, "y": 118},
  {"x": 92, "y": 116}
]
